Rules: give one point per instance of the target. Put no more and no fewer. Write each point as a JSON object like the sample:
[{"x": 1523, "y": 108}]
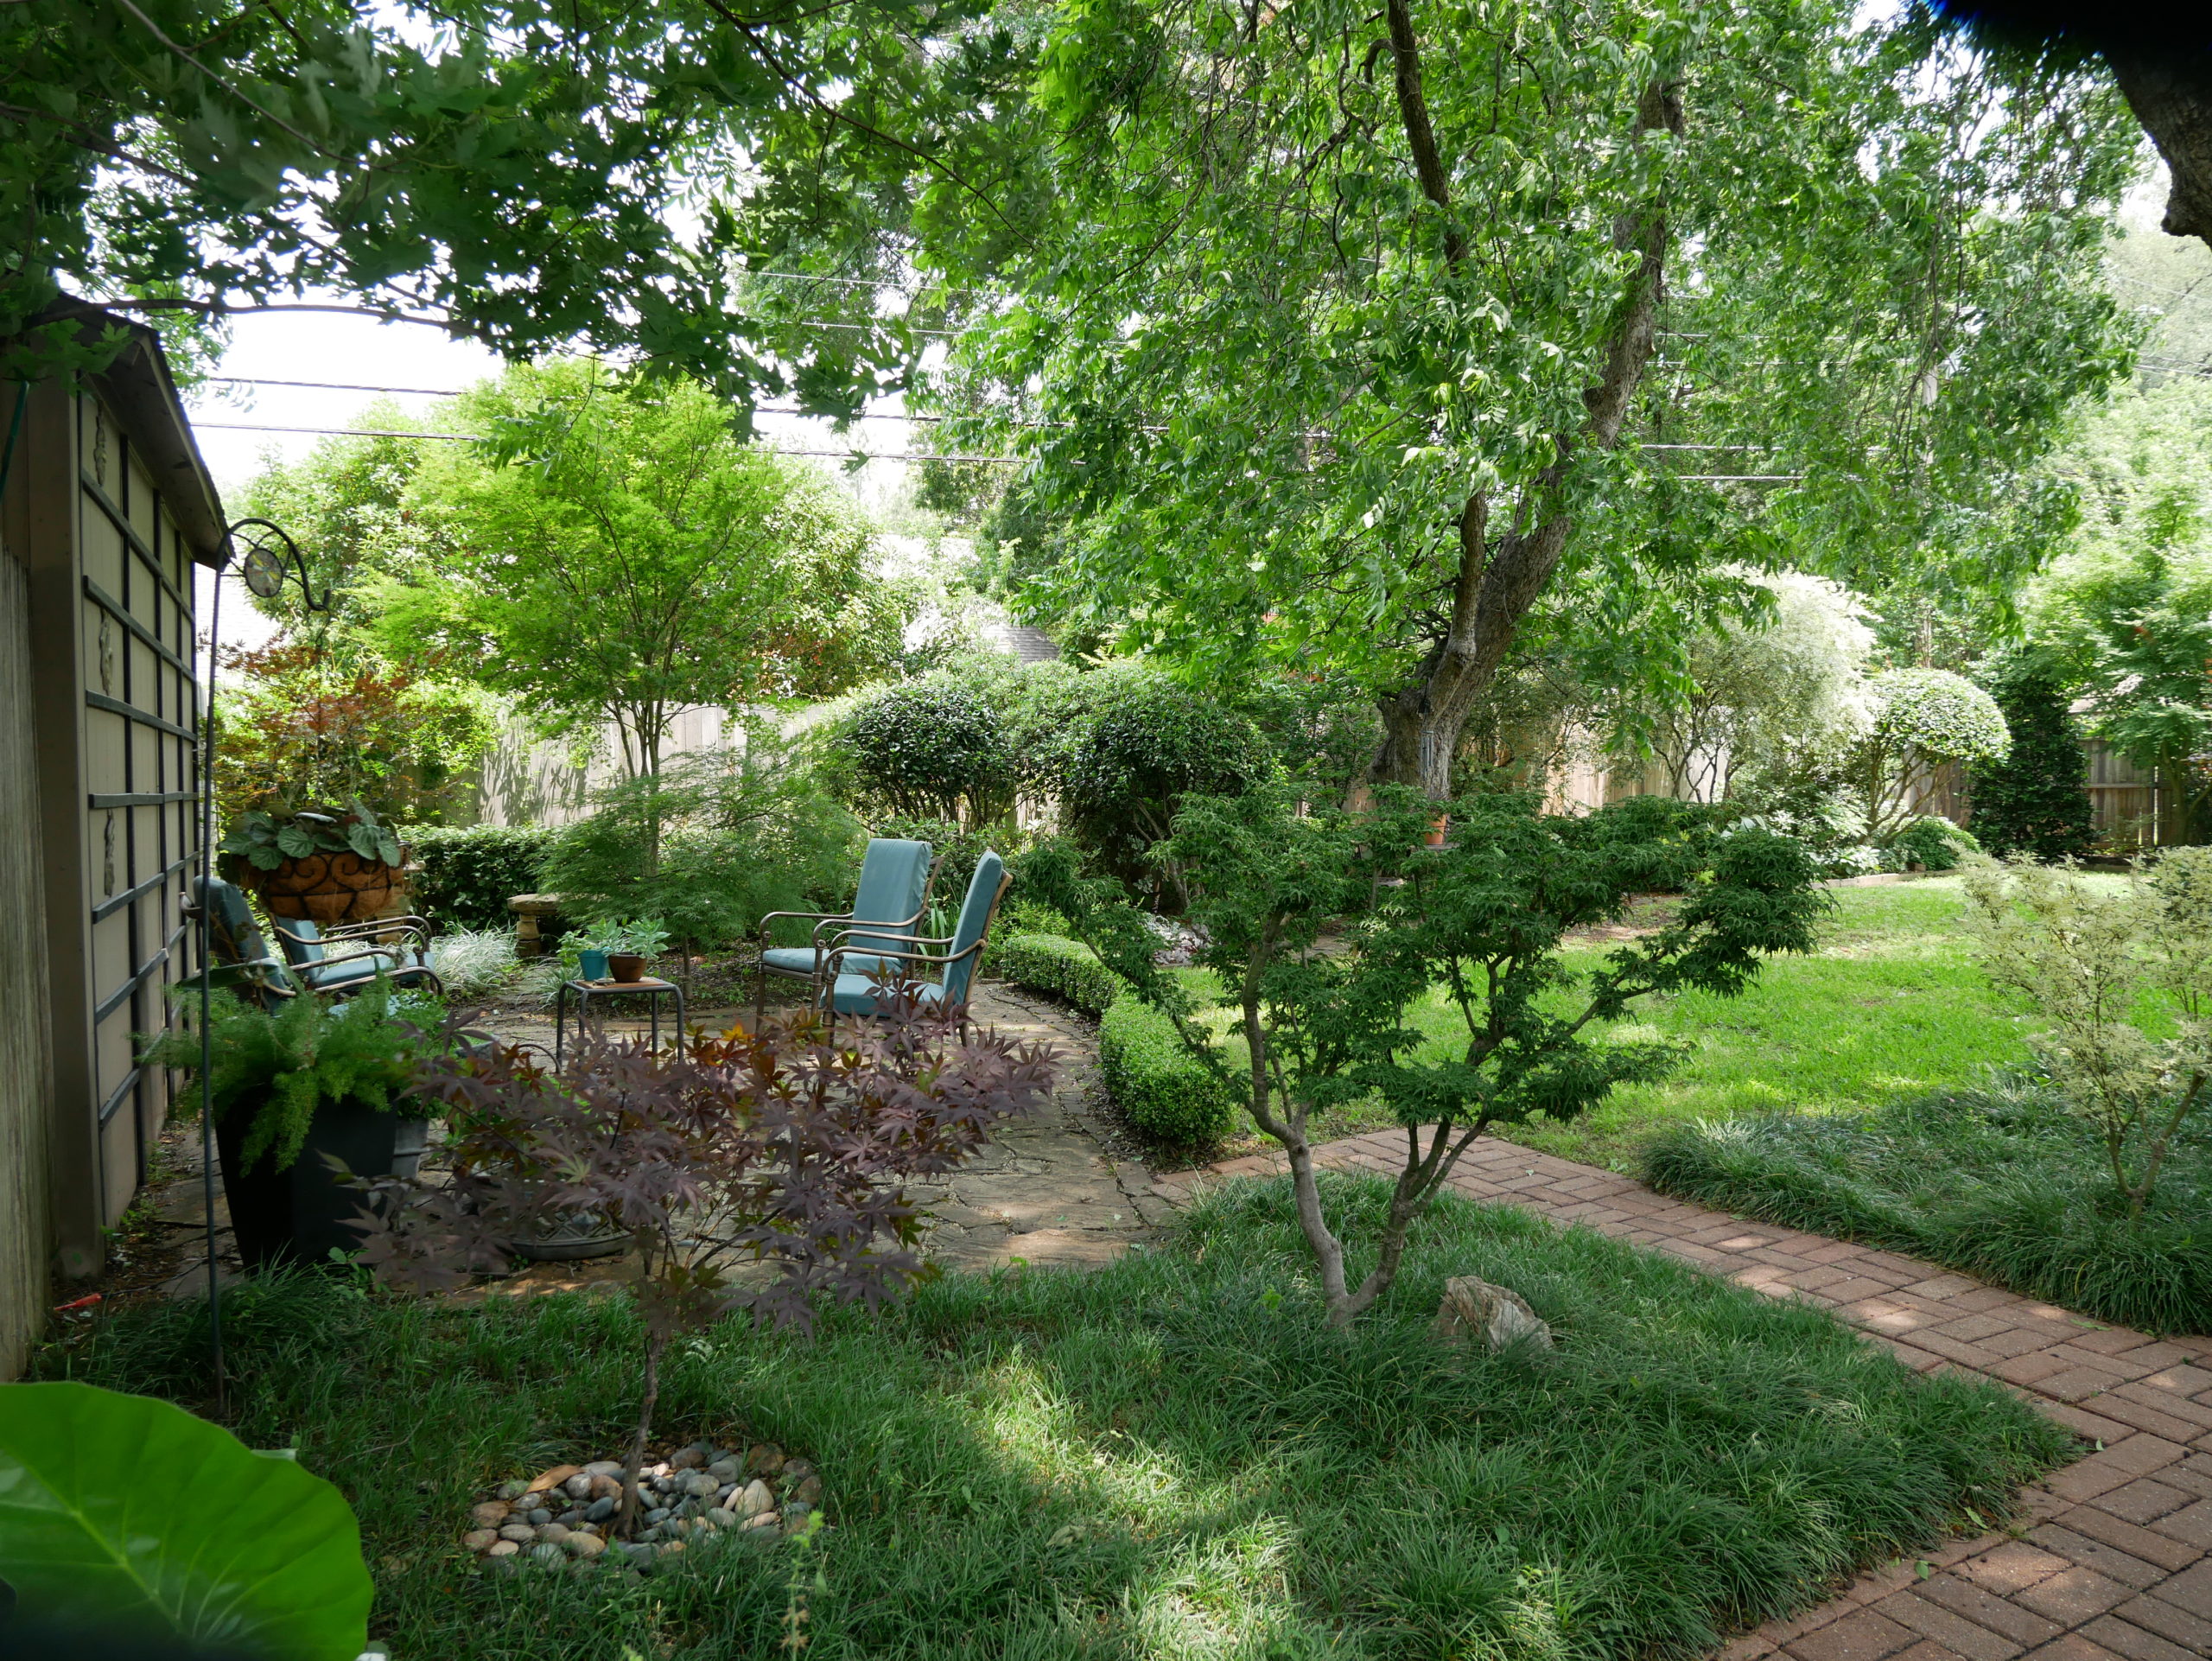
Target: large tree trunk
[
  {"x": 2170, "y": 92},
  {"x": 1498, "y": 579}
]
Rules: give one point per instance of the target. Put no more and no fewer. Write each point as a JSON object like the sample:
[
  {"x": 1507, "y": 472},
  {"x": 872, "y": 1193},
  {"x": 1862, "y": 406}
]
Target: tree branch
[{"x": 1421, "y": 135}]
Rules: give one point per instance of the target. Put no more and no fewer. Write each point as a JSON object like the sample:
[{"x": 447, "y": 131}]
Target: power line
[{"x": 470, "y": 438}]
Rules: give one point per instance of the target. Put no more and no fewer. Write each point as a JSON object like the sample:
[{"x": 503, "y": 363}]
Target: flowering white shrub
[{"x": 2090, "y": 962}]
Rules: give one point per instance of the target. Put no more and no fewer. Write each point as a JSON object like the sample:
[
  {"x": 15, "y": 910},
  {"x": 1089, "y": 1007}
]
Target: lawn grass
[
  {"x": 1171, "y": 1457},
  {"x": 2000, "y": 1182},
  {"x": 1889, "y": 1008}
]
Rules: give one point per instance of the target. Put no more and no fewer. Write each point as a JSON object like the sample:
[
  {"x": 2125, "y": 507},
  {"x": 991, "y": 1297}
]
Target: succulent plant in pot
[{"x": 323, "y": 863}]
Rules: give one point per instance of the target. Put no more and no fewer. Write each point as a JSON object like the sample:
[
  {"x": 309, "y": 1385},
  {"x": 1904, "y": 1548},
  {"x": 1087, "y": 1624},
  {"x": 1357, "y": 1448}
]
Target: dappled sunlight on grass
[{"x": 1171, "y": 1457}]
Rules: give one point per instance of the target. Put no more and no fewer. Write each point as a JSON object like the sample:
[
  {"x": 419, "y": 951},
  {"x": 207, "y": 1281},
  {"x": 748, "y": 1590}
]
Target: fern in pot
[{"x": 294, "y": 1089}]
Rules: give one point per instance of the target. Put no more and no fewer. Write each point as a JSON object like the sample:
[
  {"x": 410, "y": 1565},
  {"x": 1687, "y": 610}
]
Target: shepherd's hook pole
[{"x": 206, "y": 989}]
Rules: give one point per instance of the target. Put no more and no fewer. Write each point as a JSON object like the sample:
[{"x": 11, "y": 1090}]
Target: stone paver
[{"x": 2116, "y": 1557}]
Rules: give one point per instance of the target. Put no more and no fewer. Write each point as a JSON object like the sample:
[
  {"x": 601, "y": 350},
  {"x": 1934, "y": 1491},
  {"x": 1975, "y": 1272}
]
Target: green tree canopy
[
  {"x": 1385, "y": 344},
  {"x": 612, "y": 551},
  {"x": 2127, "y": 613},
  {"x": 532, "y": 174}
]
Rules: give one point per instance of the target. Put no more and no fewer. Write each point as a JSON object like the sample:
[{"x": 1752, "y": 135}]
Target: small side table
[{"x": 585, "y": 991}]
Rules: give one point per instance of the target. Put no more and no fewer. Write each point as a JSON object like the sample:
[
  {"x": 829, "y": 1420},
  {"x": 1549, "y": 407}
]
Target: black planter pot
[{"x": 300, "y": 1213}]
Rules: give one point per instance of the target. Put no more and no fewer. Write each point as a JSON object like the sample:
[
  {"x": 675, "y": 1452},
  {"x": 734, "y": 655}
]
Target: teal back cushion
[
  {"x": 306, "y": 944},
  {"x": 975, "y": 918},
  {"x": 893, "y": 878}
]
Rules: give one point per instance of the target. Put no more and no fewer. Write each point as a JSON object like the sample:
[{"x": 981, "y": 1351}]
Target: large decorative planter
[
  {"x": 300, "y": 1214},
  {"x": 339, "y": 888}
]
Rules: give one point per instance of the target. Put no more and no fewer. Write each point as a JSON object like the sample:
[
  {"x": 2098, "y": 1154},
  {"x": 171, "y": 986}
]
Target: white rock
[
  {"x": 604, "y": 1467},
  {"x": 1500, "y": 1315},
  {"x": 503, "y": 1548},
  {"x": 754, "y": 1501}
]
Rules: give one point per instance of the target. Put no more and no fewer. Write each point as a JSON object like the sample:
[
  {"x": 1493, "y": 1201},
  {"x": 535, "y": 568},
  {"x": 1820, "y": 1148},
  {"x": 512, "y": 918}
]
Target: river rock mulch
[{"x": 696, "y": 1497}]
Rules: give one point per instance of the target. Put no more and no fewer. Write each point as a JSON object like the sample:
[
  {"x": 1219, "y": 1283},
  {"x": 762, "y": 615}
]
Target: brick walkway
[{"x": 2114, "y": 1554}]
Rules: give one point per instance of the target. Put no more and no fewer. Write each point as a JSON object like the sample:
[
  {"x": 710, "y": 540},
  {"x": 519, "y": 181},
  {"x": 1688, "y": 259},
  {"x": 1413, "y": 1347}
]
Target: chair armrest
[
  {"x": 807, "y": 916},
  {"x": 409, "y": 924},
  {"x": 869, "y": 928},
  {"x": 349, "y": 933}
]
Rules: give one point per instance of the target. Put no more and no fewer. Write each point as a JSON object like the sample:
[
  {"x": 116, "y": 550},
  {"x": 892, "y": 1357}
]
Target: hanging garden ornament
[{"x": 264, "y": 570}]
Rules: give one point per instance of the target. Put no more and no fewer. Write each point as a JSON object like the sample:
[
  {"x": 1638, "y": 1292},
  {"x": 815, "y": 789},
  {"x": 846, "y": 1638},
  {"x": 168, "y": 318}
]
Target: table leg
[
  {"x": 560, "y": 1019},
  {"x": 679, "y": 1022}
]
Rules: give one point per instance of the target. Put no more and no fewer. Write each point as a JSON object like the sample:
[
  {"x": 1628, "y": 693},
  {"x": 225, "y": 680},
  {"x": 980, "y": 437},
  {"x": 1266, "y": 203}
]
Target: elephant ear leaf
[
  {"x": 265, "y": 1561},
  {"x": 294, "y": 842}
]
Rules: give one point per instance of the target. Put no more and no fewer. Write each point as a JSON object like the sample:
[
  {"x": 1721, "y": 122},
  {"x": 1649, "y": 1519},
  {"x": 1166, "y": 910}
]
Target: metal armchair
[
  {"x": 367, "y": 950},
  {"x": 888, "y": 906},
  {"x": 843, "y": 986}
]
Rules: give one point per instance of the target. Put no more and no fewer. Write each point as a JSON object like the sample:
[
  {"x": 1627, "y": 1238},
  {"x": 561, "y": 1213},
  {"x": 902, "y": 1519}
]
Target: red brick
[
  {"x": 2191, "y": 1590},
  {"x": 2122, "y": 1638},
  {"x": 2011, "y": 1568},
  {"x": 2028, "y": 1368},
  {"x": 2075, "y": 1595},
  {"x": 1750, "y": 1647},
  {"x": 2145, "y": 1499},
  {"x": 2153, "y": 1614},
  {"x": 2074, "y": 1383},
  {"x": 2095, "y": 1554},
  {"x": 1983, "y": 1297},
  {"x": 2072, "y": 1647},
  {"x": 2187, "y": 1379},
  {"x": 1928, "y": 1650},
  {"x": 2128, "y": 1405},
  {"x": 1956, "y": 1633},
  {"x": 2162, "y": 1550},
  {"x": 1963, "y": 1597},
  {"x": 2191, "y": 1525},
  {"x": 2094, "y": 1425},
  {"x": 1862, "y": 1636},
  {"x": 1969, "y": 1328},
  {"x": 2143, "y": 1455}
]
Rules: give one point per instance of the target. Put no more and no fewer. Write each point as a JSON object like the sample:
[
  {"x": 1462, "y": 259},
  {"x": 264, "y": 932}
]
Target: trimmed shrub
[
  {"x": 460, "y": 877},
  {"x": 2036, "y": 800},
  {"x": 1164, "y": 1090},
  {"x": 1066, "y": 968},
  {"x": 1933, "y": 841}
]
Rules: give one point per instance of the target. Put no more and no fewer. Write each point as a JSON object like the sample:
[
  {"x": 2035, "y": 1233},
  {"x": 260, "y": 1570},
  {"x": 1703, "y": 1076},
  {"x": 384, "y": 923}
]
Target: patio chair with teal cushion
[
  {"x": 241, "y": 959},
  {"x": 342, "y": 958},
  {"x": 893, "y": 894},
  {"x": 845, "y": 988}
]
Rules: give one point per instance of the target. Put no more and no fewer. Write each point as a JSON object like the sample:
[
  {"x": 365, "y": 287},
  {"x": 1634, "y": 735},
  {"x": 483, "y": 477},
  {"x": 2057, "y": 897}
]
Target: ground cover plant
[
  {"x": 1173, "y": 1457},
  {"x": 2000, "y": 1182}
]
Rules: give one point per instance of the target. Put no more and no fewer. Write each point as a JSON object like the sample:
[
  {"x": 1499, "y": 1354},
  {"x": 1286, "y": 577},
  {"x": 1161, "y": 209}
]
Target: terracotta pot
[
  {"x": 1433, "y": 836},
  {"x": 626, "y": 965},
  {"x": 340, "y": 887}
]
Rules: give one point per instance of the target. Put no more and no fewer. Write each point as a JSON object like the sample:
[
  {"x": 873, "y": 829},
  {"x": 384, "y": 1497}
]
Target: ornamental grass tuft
[{"x": 1171, "y": 1457}]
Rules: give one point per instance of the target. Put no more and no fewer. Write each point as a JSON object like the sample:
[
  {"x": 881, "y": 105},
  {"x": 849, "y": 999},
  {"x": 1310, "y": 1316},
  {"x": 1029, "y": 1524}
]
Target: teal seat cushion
[{"x": 800, "y": 960}]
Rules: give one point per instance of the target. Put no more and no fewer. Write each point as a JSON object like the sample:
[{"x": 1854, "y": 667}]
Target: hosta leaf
[
  {"x": 293, "y": 840},
  {"x": 122, "y": 1511},
  {"x": 362, "y": 839}
]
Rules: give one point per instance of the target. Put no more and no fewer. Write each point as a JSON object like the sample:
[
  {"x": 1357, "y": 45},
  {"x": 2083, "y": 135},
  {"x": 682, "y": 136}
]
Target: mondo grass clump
[
  {"x": 1171, "y": 1457},
  {"x": 2001, "y": 1182}
]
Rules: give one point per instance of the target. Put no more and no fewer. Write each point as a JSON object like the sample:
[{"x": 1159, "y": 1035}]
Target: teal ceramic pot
[{"x": 594, "y": 966}]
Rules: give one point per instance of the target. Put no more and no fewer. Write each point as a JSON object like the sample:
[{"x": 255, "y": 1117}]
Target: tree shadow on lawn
[{"x": 1172, "y": 1457}]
